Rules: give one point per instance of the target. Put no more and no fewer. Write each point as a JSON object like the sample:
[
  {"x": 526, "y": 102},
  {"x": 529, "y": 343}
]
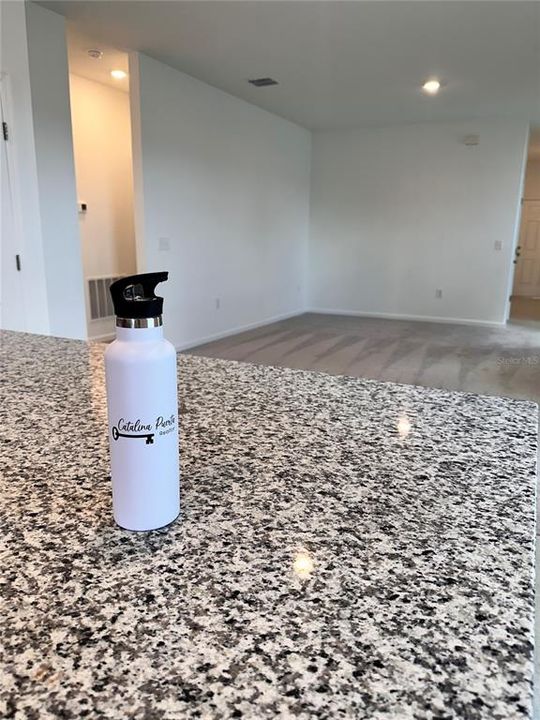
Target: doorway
[
  {"x": 101, "y": 126},
  {"x": 525, "y": 301}
]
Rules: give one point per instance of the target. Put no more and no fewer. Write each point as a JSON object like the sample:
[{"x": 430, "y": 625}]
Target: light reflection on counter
[
  {"x": 403, "y": 426},
  {"x": 303, "y": 564}
]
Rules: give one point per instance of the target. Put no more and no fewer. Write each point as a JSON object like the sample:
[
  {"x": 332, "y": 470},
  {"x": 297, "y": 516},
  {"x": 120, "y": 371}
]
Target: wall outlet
[
  {"x": 164, "y": 244},
  {"x": 497, "y": 245},
  {"x": 218, "y": 303},
  {"x": 438, "y": 293}
]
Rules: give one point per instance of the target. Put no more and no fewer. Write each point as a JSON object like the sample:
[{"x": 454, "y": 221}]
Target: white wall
[
  {"x": 102, "y": 147},
  {"x": 228, "y": 185},
  {"x": 47, "y": 57},
  {"x": 532, "y": 179},
  {"x": 398, "y": 212},
  {"x": 14, "y": 64},
  {"x": 395, "y": 213}
]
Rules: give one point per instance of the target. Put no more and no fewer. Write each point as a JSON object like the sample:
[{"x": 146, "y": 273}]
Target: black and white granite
[{"x": 346, "y": 549}]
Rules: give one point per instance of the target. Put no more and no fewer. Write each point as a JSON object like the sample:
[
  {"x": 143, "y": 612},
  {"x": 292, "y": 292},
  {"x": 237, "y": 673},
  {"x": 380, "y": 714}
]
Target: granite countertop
[{"x": 346, "y": 549}]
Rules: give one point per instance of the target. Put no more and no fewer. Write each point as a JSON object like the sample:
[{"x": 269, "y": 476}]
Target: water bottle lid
[{"x": 134, "y": 296}]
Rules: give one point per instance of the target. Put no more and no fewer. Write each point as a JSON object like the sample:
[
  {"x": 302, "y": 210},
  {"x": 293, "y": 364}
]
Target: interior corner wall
[
  {"x": 400, "y": 212},
  {"x": 103, "y": 168},
  {"x": 48, "y": 72},
  {"x": 225, "y": 186},
  {"x": 14, "y": 63}
]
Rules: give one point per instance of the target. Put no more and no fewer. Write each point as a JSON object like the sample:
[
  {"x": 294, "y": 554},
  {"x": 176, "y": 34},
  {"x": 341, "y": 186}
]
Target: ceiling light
[
  {"x": 95, "y": 54},
  {"x": 118, "y": 74},
  {"x": 431, "y": 87}
]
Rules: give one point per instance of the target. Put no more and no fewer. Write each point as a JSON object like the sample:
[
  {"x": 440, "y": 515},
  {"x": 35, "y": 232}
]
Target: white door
[
  {"x": 12, "y": 314},
  {"x": 527, "y": 275}
]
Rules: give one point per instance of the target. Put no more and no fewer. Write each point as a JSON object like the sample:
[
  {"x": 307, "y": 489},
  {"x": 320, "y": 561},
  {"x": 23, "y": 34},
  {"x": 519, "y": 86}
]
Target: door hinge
[
  {"x": 18, "y": 262},
  {"x": 5, "y": 131}
]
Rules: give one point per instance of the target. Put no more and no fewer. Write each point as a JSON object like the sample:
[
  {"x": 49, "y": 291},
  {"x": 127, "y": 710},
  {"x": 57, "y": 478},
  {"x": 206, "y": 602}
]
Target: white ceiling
[
  {"x": 80, "y": 63},
  {"x": 340, "y": 64}
]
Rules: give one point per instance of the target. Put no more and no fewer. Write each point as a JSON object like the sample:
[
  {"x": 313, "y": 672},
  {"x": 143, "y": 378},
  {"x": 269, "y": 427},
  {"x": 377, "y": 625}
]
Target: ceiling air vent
[{"x": 263, "y": 82}]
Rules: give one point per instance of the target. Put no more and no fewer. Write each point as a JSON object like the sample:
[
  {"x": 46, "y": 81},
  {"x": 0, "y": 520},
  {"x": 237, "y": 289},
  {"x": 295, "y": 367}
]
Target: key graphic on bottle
[{"x": 149, "y": 436}]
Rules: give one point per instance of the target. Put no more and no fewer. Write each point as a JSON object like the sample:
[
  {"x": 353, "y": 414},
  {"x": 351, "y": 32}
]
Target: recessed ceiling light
[
  {"x": 95, "y": 54},
  {"x": 431, "y": 87},
  {"x": 263, "y": 82},
  {"x": 118, "y": 74}
]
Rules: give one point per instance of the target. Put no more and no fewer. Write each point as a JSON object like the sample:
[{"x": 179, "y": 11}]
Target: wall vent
[
  {"x": 263, "y": 82},
  {"x": 100, "y": 298}
]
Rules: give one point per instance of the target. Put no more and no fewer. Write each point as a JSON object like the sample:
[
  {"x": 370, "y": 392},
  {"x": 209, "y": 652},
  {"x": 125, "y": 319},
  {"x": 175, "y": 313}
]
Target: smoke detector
[{"x": 95, "y": 54}]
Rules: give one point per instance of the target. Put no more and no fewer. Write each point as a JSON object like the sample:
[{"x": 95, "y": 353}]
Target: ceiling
[
  {"x": 80, "y": 63},
  {"x": 339, "y": 64}
]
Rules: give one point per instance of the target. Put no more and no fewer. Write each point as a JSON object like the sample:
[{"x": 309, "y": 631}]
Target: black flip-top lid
[{"x": 134, "y": 296}]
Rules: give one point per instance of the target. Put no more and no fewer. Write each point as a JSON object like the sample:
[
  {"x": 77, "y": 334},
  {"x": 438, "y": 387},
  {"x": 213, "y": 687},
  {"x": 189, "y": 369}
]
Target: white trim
[
  {"x": 237, "y": 330},
  {"x": 419, "y": 318},
  {"x": 136, "y": 160},
  {"x": 27, "y": 284},
  {"x": 511, "y": 272}
]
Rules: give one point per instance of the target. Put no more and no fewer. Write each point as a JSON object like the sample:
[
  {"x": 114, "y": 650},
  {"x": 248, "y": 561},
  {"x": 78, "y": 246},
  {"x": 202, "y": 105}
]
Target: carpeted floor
[{"x": 494, "y": 361}]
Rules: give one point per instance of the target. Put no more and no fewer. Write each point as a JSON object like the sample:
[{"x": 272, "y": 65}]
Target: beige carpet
[{"x": 496, "y": 361}]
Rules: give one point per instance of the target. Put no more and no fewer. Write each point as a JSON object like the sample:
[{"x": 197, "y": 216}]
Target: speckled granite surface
[{"x": 346, "y": 549}]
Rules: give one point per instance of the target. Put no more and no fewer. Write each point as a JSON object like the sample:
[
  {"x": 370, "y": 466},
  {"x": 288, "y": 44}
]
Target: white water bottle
[{"x": 140, "y": 367}]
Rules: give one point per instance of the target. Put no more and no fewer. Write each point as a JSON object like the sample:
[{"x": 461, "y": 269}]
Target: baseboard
[
  {"x": 321, "y": 311},
  {"x": 107, "y": 337},
  {"x": 236, "y": 330},
  {"x": 419, "y": 318}
]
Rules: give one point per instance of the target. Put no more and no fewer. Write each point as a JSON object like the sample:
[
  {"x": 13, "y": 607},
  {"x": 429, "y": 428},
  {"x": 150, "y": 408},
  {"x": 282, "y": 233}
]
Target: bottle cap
[{"x": 134, "y": 296}]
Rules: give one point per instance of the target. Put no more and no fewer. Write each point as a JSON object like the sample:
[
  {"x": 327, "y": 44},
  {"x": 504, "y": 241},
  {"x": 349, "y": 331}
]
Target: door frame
[
  {"x": 13, "y": 188},
  {"x": 517, "y": 230},
  {"x": 524, "y": 206}
]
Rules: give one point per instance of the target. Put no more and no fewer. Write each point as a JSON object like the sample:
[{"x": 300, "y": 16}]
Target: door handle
[{"x": 18, "y": 262}]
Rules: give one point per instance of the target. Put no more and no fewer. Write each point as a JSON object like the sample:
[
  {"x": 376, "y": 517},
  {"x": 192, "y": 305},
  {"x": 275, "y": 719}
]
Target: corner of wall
[
  {"x": 49, "y": 86},
  {"x": 136, "y": 154},
  {"x": 306, "y": 279}
]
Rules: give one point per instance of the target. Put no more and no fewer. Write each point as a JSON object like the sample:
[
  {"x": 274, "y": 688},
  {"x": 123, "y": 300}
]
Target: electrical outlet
[
  {"x": 497, "y": 245},
  {"x": 164, "y": 244},
  {"x": 438, "y": 293},
  {"x": 218, "y": 303}
]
